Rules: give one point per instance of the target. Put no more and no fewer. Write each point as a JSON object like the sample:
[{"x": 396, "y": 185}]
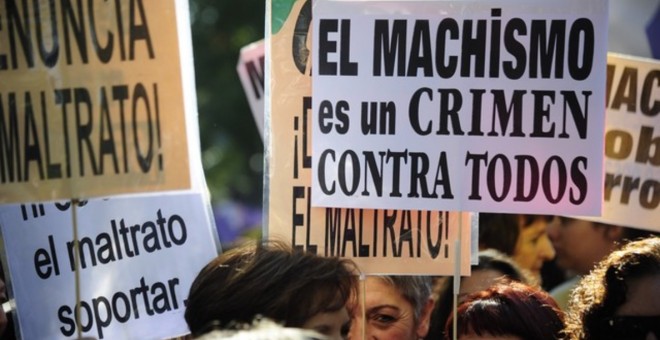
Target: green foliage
[{"x": 231, "y": 146}]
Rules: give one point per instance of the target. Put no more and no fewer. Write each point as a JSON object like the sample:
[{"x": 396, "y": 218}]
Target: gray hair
[{"x": 415, "y": 289}]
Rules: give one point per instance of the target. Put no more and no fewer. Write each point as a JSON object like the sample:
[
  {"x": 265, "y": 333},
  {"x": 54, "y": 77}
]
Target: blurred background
[{"x": 232, "y": 150}]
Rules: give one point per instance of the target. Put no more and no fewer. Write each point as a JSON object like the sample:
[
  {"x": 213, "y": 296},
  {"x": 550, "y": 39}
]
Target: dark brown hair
[
  {"x": 489, "y": 259},
  {"x": 599, "y": 294},
  {"x": 510, "y": 308},
  {"x": 270, "y": 280}
]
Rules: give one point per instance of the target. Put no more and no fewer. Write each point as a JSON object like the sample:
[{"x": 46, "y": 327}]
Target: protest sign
[
  {"x": 391, "y": 241},
  {"x": 94, "y": 100},
  {"x": 632, "y": 143},
  {"x": 250, "y": 70},
  {"x": 137, "y": 258},
  {"x": 482, "y": 105}
]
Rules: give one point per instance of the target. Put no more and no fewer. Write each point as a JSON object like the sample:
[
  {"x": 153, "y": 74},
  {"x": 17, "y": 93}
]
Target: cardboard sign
[
  {"x": 137, "y": 258},
  {"x": 379, "y": 241},
  {"x": 250, "y": 70},
  {"x": 482, "y": 105},
  {"x": 92, "y": 98},
  {"x": 632, "y": 143}
]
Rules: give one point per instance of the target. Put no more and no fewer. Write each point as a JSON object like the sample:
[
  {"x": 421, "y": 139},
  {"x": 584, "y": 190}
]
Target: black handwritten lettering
[
  {"x": 624, "y": 186},
  {"x": 121, "y": 124},
  {"x": 551, "y": 108},
  {"x": 99, "y": 313},
  {"x": 255, "y": 72},
  {"x": 150, "y": 236},
  {"x": 500, "y": 172},
  {"x": 350, "y": 174},
  {"x": 553, "y": 44},
  {"x": 410, "y": 234},
  {"x": 35, "y": 38}
]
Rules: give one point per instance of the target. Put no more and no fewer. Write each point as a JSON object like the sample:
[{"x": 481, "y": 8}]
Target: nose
[
  {"x": 355, "y": 333},
  {"x": 546, "y": 250}
]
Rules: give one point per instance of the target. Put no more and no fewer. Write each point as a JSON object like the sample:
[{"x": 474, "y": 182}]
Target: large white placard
[
  {"x": 138, "y": 257},
  {"x": 491, "y": 105}
]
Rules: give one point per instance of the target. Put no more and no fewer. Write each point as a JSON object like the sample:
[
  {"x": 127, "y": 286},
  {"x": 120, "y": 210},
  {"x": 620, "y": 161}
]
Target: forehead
[
  {"x": 381, "y": 292},
  {"x": 575, "y": 223},
  {"x": 535, "y": 228}
]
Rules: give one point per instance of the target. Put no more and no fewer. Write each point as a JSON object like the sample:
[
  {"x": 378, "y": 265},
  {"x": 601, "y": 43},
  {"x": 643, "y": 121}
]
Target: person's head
[
  {"x": 272, "y": 280},
  {"x": 522, "y": 237},
  {"x": 395, "y": 307},
  {"x": 575, "y": 253},
  {"x": 493, "y": 267},
  {"x": 620, "y": 298},
  {"x": 513, "y": 311}
]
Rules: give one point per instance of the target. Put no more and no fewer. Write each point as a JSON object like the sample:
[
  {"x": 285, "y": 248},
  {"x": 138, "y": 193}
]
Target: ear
[{"x": 425, "y": 319}]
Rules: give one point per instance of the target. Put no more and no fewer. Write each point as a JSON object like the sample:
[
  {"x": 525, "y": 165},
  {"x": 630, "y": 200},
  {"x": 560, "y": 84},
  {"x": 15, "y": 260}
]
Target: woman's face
[
  {"x": 533, "y": 247},
  {"x": 387, "y": 314},
  {"x": 334, "y": 325}
]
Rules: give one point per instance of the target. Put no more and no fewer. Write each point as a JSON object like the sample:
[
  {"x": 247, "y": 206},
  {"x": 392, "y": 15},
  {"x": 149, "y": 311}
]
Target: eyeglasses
[{"x": 630, "y": 327}]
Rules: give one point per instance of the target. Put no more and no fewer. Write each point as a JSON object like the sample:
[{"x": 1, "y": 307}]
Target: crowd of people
[
  {"x": 611, "y": 280},
  {"x": 611, "y": 273}
]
